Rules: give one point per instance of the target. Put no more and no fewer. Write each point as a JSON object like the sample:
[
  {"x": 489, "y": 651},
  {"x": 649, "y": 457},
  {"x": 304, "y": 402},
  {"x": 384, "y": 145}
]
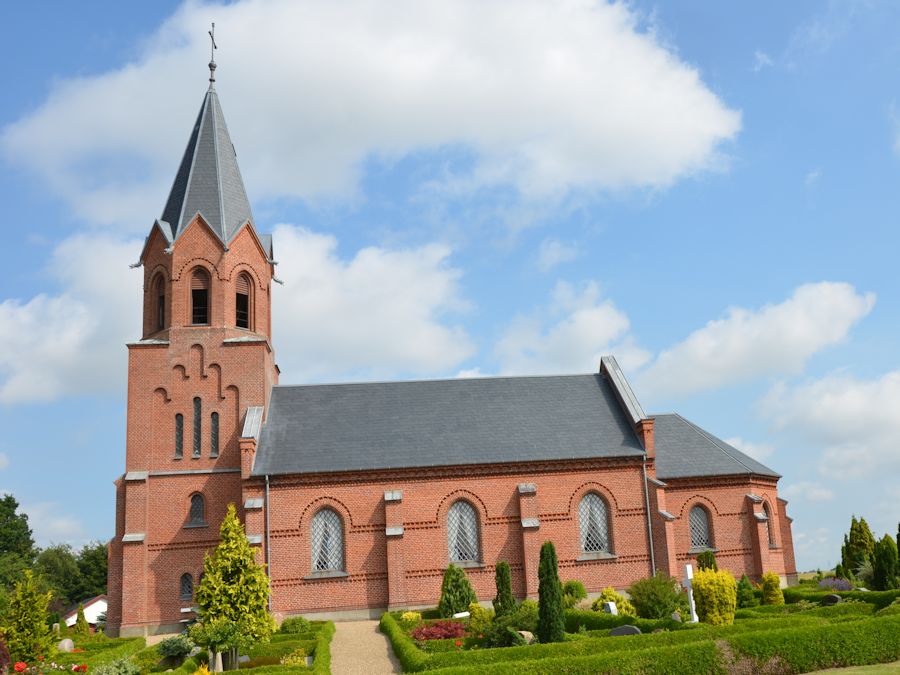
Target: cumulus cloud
[
  {"x": 758, "y": 451},
  {"x": 51, "y": 523},
  {"x": 4, "y": 460},
  {"x": 746, "y": 344},
  {"x": 570, "y": 335},
  {"x": 807, "y": 491},
  {"x": 553, "y": 252},
  {"x": 544, "y": 97},
  {"x": 853, "y": 421},
  {"x": 380, "y": 313}
]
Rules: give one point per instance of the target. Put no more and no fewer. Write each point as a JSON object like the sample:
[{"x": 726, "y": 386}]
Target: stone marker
[
  {"x": 461, "y": 615},
  {"x": 243, "y": 659},
  {"x": 527, "y": 636},
  {"x": 624, "y": 630},
  {"x": 676, "y": 616},
  {"x": 610, "y": 608},
  {"x": 831, "y": 599},
  {"x": 688, "y": 584},
  {"x": 65, "y": 645},
  {"x": 56, "y": 629}
]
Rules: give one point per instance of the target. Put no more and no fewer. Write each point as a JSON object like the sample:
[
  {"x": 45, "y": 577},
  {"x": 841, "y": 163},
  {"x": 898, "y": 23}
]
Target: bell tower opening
[{"x": 200, "y": 297}]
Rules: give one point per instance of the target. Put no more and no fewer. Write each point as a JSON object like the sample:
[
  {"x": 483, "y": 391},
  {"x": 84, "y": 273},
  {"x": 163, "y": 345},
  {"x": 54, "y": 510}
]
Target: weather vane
[{"x": 212, "y": 55}]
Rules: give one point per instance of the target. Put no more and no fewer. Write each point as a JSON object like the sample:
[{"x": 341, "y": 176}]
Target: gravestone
[
  {"x": 676, "y": 616},
  {"x": 831, "y": 599},
  {"x": 527, "y": 636},
  {"x": 243, "y": 658},
  {"x": 461, "y": 615},
  {"x": 610, "y": 608},
  {"x": 65, "y": 645},
  {"x": 624, "y": 630}
]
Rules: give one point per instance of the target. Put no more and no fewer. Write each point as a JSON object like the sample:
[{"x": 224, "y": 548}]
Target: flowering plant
[
  {"x": 439, "y": 630},
  {"x": 20, "y": 667}
]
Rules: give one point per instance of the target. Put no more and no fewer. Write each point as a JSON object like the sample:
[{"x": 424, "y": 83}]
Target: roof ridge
[
  {"x": 436, "y": 379},
  {"x": 715, "y": 440}
]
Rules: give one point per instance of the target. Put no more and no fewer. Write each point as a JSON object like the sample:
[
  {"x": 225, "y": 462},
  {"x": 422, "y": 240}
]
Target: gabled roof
[
  {"x": 684, "y": 450},
  {"x": 208, "y": 181}
]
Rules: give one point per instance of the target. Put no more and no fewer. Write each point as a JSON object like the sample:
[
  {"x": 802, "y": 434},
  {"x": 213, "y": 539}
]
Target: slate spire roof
[{"x": 208, "y": 181}]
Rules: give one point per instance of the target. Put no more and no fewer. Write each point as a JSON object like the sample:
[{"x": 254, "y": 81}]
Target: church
[{"x": 358, "y": 496}]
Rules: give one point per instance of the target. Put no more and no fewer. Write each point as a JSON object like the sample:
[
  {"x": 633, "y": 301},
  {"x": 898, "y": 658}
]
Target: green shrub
[
  {"x": 410, "y": 656},
  {"x": 295, "y": 658},
  {"x": 177, "y": 646},
  {"x": 25, "y": 627},
  {"x": 655, "y": 597},
  {"x": 608, "y": 594},
  {"x": 410, "y": 618},
  {"x": 891, "y": 610},
  {"x": 81, "y": 628},
  {"x": 294, "y": 624},
  {"x": 122, "y": 666},
  {"x": 456, "y": 592},
  {"x": 573, "y": 591},
  {"x": 479, "y": 619},
  {"x": 715, "y": 595},
  {"x": 551, "y": 624},
  {"x": 525, "y": 617},
  {"x": 504, "y": 603},
  {"x": 321, "y": 664},
  {"x": 772, "y": 594},
  {"x": 884, "y": 564},
  {"x": 706, "y": 560},
  {"x": 745, "y": 595},
  {"x": 146, "y": 659}
]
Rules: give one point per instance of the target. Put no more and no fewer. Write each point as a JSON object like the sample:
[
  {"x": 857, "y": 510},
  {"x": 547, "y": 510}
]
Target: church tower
[{"x": 204, "y": 358}]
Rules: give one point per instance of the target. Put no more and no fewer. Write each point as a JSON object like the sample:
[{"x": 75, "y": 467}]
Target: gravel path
[{"x": 359, "y": 648}]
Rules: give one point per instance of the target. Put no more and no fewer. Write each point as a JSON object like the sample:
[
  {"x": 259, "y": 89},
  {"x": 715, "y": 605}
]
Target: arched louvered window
[
  {"x": 159, "y": 294},
  {"x": 197, "y": 515},
  {"x": 699, "y": 524},
  {"x": 197, "y": 421},
  {"x": 200, "y": 297},
  {"x": 179, "y": 435},
  {"x": 327, "y": 541},
  {"x": 770, "y": 526},
  {"x": 242, "y": 301},
  {"x": 187, "y": 586},
  {"x": 214, "y": 435},
  {"x": 593, "y": 520},
  {"x": 462, "y": 533}
]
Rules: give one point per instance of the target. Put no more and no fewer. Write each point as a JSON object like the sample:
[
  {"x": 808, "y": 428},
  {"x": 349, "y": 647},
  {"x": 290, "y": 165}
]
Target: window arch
[
  {"x": 593, "y": 521},
  {"x": 179, "y": 436},
  {"x": 187, "y": 586},
  {"x": 197, "y": 514},
  {"x": 462, "y": 533},
  {"x": 197, "y": 410},
  {"x": 214, "y": 435},
  {"x": 327, "y": 536},
  {"x": 159, "y": 297},
  {"x": 770, "y": 530},
  {"x": 243, "y": 302},
  {"x": 200, "y": 297},
  {"x": 699, "y": 525}
]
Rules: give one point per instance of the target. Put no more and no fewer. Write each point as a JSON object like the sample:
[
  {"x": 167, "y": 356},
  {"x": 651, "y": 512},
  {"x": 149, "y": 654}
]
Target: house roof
[
  {"x": 390, "y": 425},
  {"x": 87, "y": 603},
  {"x": 684, "y": 450}
]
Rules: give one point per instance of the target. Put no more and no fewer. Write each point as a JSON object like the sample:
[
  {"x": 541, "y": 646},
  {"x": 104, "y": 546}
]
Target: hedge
[
  {"x": 880, "y": 599},
  {"x": 591, "y": 620},
  {"x": 321, "y": 664},
  {"x": 411, "y": 657},
  {"x": 106, "y": 651},
  {"x": 281, "y": 648}
]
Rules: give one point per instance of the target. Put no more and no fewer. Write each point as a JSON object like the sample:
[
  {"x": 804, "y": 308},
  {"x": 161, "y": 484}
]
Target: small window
[
  {"x": 197, "y": 515},
  {"x": 242, "y": 302},
  {"x": 699, "y": 524},
  {"x": 179, "y": 435},
  {"x": 160, "y": 293},
  {"x": 197, "y": 406},
  {"x": 200, "y": 297},
  {"x": 187, "y": 586},
  {"x": 327, "y": 542},
  {"x": 462, "y": 533},
  {"x": 770, "y": 530},
  {"x": 214, "y": 435},
  {"x": 593, "y": 520}
]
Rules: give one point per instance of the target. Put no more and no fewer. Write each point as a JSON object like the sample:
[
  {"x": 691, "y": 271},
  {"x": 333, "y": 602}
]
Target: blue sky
[{"x": 706, "y": 191}]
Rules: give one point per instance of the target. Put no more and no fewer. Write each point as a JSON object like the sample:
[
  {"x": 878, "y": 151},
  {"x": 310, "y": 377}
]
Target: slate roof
[
  {"x": 684, "y": 450},
  {"x": 208, "y": 180},
  {"x": 387, "y": 425}
]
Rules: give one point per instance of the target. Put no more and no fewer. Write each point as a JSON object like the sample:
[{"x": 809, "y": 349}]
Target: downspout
[
  {"x": 649, "y": 519},
  {"x": 268, "y": 548}
]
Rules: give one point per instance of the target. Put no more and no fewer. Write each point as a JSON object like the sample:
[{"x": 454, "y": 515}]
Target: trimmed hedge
[
  {"x": 880, "y": 599},
  {"x": 281, "y": 648},
  {"x": 321, "y": 664},
  {"x": 411, "y": 657},
  {"x": 600, "y": 620},
  {"x": 99, "y": 653}
]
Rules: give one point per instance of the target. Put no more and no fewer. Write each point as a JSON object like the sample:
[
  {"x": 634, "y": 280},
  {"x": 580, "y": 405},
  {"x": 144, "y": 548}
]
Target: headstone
[
  {"x": 831, "y": 599},
  {"x": 65, "y": 645},
  {"x": 527, "y": 636},
  {"x": 610, "y": 608},
  {"x": 676, "y": 616},
  {"x": 688, "y": 576},
  {"x": 243, "y": 658},
  {"x": 461, "y": 615},
  {"x": 624, "y": 630},
  {"x": 56, "y": 629}
]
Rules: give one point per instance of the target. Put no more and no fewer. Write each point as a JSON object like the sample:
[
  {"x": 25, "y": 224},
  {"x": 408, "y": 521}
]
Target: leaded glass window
[
  {"x": 462, "y": 533},
  {"x": 197, "y": 407},
  {"x": 327, "y": 542},
  {"x": 179, "y": 435},
  {"x": 187, "y": 586},
  {"x": 214, "y": 435},
  {"x": 699, "y": 524},
  {"x": 593, "y": 519},
  {"x": 197, "y": 515}
]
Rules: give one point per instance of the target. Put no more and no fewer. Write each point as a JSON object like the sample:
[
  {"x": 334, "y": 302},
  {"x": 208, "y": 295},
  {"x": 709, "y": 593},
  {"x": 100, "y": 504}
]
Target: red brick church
[{"x": 358, "y": 496}]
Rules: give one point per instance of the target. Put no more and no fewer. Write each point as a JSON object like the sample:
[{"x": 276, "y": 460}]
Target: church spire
[{"x": 209, "y": 181}]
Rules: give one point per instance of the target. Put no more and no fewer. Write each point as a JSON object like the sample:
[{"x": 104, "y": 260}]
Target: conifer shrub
[
  {"x": 771, "y": 584},
  {"x": 573, "y": 591},
  {"x": 884, "y": 564},
  {"x": 706, "y": 560},
  {"x": 26, "y": 630},
  {"x": 456, "y": 592},
  {"x": 655, "y": 597},
  {"x": 745, "y": 596},
  {"x": 82, "y": 628},
  {"x": 175, "y": 647},
  {"x": 715, "y": 594},
  {"x": 623, "y": 605},
  {"x": 504, "y": 603},
  {"x": 551, "y": 622}
]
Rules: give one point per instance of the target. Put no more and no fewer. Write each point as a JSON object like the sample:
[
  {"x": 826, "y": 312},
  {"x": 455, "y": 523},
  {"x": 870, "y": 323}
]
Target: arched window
[
  {"x": 699, "y": 524},
  {"x": 159, "y": 294},
  {"x": 179, "y": 435},
  {"x": 770, "y": 529},
  {"x": 197, "y": 515},
  {"x": 200, "y": 297},
  {"x": 242, "y": 303},
  {"x": 187, "y": 586},
  {"x": 214, "y": 435},
  {"x": 197, "y": 406},
  {"x": 462, "y": 533},
  {"x": 593, "y": 519},
  {"x": 327, "y": 541}
]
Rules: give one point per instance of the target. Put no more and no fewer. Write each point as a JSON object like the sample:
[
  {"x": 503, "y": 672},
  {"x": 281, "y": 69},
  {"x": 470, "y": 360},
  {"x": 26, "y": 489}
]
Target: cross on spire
[{"x": 212, "y": 56}]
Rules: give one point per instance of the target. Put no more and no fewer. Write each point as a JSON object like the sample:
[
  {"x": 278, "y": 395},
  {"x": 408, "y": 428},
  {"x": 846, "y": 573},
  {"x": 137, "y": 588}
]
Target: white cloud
[
  {"x": 553, "y": 252},
  {"x": 569, "y": 336},
  {"x": 747, "y": 344},
  {"x": 807, "y": 491},
  {"x": 380, "y": 313},
  {"x": 853, "y": 421},
  {"x": 52, "y": 523},
  {"x": 761, "y": 60},
  {"x": 759, "y": 451},
  {"x": 4, "y": 460},
  {"x": 812, "y": 177},
  {"x": 544, "y": 97}
]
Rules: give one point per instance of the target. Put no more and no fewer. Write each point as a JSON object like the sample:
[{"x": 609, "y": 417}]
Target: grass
[{"x": 878, "y": 669}]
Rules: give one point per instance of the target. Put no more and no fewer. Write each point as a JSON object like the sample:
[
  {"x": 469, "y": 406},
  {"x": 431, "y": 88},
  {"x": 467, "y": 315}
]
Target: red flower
[
  {"x": 459, "y": 643},
  {"x": 20, "y": 667}
]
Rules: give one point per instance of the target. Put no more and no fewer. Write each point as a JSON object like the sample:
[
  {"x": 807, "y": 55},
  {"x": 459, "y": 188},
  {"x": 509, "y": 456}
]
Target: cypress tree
[
  {"x": 884, "y": 566},
  {"x": 551, "y": 624},
  {"x": 706, "y": 560},
  {"x": 26, "y": 630},
  {"x": 456, "y": 592},
  {"x": 82, "y": 628},
  {"x": 745, "y": 595},
  {"x": 504, "y": 603}
]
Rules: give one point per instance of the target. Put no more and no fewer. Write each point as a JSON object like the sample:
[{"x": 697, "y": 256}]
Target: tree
[
  {"x": 235, "y": 589},
  {"x": 859, "y": 547},
  {"x": 92, "y": 567},
  {"x": 82, "y": 627},
  {"x": 551, "y": 624},
  {"x": 885, "y": 564},
  {"x": 745, "y": 595},
  {"x": 15, "y": 535},
  {"x": 706, "y": 560},
  {"x": 58, "y": 569},
  {"x": 504, "y": 603},
  {"x": 26, "y": 631},
  {"x": 456, "y": 592}
]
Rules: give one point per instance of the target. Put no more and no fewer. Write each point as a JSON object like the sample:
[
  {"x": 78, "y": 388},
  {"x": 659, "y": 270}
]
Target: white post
[{"x": 688, "y": 575}]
